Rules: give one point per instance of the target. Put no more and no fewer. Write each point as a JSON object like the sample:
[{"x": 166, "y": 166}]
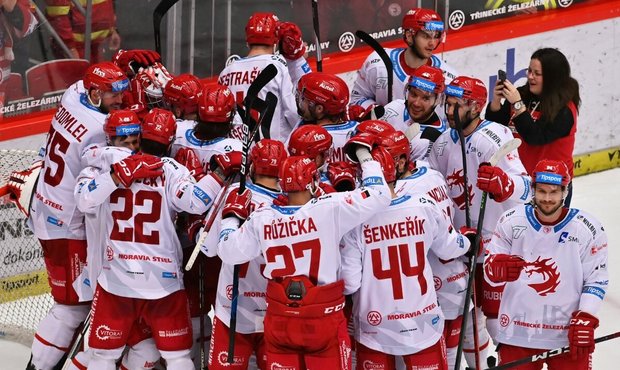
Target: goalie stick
[
  {"x": 317, "y": 35},
  {"x": 384, "y": 57},
  {"x": 548, "y": 354},
  {"x": 508, "y": 147},
  {"x": 158, "y": 14},
  {"x": 257, "y": 85}
]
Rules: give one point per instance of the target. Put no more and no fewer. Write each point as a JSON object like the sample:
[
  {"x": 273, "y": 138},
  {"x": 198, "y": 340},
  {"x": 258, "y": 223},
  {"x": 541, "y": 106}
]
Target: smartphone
[{"x": 501, "y": 75}]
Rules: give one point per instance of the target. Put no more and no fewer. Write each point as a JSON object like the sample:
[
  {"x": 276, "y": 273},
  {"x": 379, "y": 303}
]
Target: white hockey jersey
[
  {"x": 241, "y": 73},
  {"x": 395, "y": 308},
  {"x": 397, "y": 115},
  {"x": 449, "y": 275},
  {"x": 143, "y": 254},
  {"x": 204, "y": 149},
  {"x": 305, "y": 240},
  {"x": 76, "y": 126},
  {"x": 480, "y": 145},
  {"x": 370, "y": 86},
  {"x": 251, "y": 304},
  {"x": 96, "y": 160},
  {"x": 566, "y": 271}
]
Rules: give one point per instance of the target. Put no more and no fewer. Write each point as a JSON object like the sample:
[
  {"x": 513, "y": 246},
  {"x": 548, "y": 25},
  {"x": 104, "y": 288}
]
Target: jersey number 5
[
  {"x": 136, "y": 233},
  {"x": 57, "y": 145},
  {"x": 400, "y": 264},
  {"x": 298, "y": 251}
]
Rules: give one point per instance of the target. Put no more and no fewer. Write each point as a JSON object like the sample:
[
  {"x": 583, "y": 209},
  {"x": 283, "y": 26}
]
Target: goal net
[{"x": 24, "y": 297}]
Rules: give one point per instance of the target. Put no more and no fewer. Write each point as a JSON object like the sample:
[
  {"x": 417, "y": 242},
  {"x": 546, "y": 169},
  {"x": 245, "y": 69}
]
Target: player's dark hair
[
  {"x": 211, "y": 130},
  {"x": 153, "y": 148},
  {"x": 558, "y": 86}
]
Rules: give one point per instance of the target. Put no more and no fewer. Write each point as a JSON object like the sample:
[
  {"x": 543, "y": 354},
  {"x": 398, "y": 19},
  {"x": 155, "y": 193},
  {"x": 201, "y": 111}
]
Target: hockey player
[
  {"x": 423, "y": 104},
  {"x": 266, "y": 158},
  {"x": 507, "y": 183},
  {"x": 322, "y": 99},
  {"x": 199, "y": 145},
  {"x": 423, "y": 32},
  {"x": 553, "y": 261},
  {"x": 141, "y": 275},
  {"x": 384, "y": 262},
  {"x": 122, "y": 130},
  {"x": 449, "y": 275},
  {"x": 56, "y": 221},
  {"x": 304, "y": 322},
  {"x": 208, "y": 135},
  {"x": 261, "y": 34},
  {"x": 181, "y": 96},
  {"x": 314, "y": 142}
]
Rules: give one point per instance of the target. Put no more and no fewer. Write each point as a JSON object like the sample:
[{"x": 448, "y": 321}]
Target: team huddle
[{"x": 344, "y": 232}]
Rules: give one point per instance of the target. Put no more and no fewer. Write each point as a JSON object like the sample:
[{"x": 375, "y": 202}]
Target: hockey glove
[
  {"x": 21, "y": 186},
  {"x": 470, "y": 233},
  {"x": 342, "y": 175},
  {"x": 495, "y": 181},
  {"x": 581, "y": 334},
  {"x": 281, "y": 200},
  {"x": 226, "y": 164},
  {"x": 188, "y": 158},
  {"x": 237, "y": 205},
  {"x": 359, "y": 113},
  {"x": 364, "y": 140},
  {"x": 325, "y": 188},
  {"x": 291, "y": 45},
  {"x": 137, "y": 166},
  {"x": 503, "y": 267},
  {"x": 131, "y": 60}
]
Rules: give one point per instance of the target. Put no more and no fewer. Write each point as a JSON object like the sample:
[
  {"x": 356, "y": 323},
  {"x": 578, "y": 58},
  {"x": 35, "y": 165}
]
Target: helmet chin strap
[{"x": 93, "y": 103}]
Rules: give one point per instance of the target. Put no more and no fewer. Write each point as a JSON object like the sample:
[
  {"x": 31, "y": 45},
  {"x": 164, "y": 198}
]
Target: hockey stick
[
  {"x": 261, "y": 80},
  {"x": 159, "y": 12},
  {"x": 384, "y": 57},
  {"x": 495, "y": 158},
  {"x": 317, "y": 35},
  {"x": 267, "y": 112},
  {"x": 551, "y": 353},
  {"x": 459, "y": 127},
  {"x": 78, "y": 342}
]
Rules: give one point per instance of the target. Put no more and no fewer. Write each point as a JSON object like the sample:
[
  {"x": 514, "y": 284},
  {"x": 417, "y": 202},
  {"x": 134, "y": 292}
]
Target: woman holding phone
[{"x": 543, "y": 112}]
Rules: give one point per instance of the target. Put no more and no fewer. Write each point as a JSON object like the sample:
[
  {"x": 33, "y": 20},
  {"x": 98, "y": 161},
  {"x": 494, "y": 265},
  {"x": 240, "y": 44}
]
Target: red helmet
[
  {"x": 105, "y": 76},
  {"x": 297, "y": 174},
  {"x": 427, "y": 78},
  {"x": 267, "y": 157},
  {"x": 262, "y": 29},
  {"x": 374, "y": 126},
  {"x": 122, "y": 122},
  {"x": 385, "y": 159},
  {"x": 183, "y": 92},
  {"x": 551, "y": 172},
  {"x": 217, "y": 104},
  {"x": 396, "y": 143},
  {"x": 422, "y": 19},
  {"x": 324, "y": 89},
  {"x": 159, "y": 125},
  {"x": 310, "y": 141},
  {"x": 470, "y": 88}
]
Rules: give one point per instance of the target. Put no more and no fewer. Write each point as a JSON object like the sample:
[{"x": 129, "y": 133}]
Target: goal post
[{"x": 24, "y": 290}]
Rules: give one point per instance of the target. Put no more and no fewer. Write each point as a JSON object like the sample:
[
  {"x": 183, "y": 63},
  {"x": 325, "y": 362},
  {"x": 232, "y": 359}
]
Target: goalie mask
[{"x": 151, "y": 82}]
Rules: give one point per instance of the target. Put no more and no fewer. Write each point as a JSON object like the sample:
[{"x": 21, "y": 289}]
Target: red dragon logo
[
  {"x": 456, "y": 179},
  {"x": 549, "y": 273}
]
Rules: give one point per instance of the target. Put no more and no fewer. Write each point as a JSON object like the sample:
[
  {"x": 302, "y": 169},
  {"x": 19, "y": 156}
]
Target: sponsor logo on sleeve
[
  {"x": 373, "y": 180},
  {"x": 169, "y": 275},
  {"x": 599, "y": 292},
  {"x": 202, "y": 195}
]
